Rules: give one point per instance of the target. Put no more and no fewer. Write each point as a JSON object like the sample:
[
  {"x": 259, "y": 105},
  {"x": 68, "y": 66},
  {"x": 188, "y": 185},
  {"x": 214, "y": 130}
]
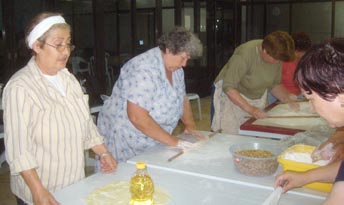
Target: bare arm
[
  {"x": 291, "y": 180},
  {"x": 336, "y": 196},
  {"x": 187, "y": 117},
  {"x": 146, "y": 124},
  {"x": 238, "y": 100},
  {"x": 40, "y": 195},
  {"x": 284, "y": 96},
  {"x": 281, "y": 93}
]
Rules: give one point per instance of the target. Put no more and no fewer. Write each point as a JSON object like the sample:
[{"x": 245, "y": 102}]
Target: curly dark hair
[
  {"x": 321, "y": 69},
  {"x": 302, "y": 41},
  {"x": 180, "y": 40}
]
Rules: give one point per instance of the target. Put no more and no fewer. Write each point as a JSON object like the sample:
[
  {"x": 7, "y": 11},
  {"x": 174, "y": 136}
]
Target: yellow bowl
[{"x": 291, "y": 165}]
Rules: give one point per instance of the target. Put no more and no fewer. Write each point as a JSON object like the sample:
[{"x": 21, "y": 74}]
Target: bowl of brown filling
[{"x": 255, "y": 159}]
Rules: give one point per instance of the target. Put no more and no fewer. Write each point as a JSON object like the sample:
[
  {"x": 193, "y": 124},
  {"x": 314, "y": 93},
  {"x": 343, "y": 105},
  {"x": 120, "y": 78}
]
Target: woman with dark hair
[
  {"x": 47, "y": 119},
  {"x": 149, "y": 98},
  {"x": 320, "y": 75}
]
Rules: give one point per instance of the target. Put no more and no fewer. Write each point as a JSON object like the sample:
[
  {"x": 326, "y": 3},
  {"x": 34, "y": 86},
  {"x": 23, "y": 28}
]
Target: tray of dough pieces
[{"x": 285, "y": 126}]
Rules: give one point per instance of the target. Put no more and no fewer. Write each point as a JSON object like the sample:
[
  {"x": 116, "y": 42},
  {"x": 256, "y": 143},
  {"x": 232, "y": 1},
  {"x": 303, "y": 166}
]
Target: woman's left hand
[{"x": 108, "y": 163}]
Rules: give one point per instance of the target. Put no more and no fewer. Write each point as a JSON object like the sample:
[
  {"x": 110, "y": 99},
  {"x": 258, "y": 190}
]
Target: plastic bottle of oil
[{"x": 141, "y": 186}]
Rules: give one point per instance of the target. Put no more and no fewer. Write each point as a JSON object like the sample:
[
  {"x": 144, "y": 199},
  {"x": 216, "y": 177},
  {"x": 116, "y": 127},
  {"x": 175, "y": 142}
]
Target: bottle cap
[{"x": 140, "y": 165}]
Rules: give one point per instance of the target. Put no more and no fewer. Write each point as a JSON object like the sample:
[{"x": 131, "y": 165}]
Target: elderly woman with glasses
[
  {"x": 149, "y": 98},
  {"x": 46, "y": 117}
]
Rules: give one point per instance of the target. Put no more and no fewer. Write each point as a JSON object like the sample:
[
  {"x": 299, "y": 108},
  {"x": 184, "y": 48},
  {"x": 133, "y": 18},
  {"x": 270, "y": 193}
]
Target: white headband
[{"x": 43, "y": 27}]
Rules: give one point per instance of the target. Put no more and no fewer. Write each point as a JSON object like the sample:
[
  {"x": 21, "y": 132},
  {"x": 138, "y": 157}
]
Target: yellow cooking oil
[{"x": 141, "y": 186}]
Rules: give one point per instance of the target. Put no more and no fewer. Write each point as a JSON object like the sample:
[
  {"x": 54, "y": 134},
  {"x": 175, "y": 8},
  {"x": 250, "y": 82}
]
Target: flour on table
[
  {"x": 118, "y": 193},
  {"x": 205, "y": 155}
]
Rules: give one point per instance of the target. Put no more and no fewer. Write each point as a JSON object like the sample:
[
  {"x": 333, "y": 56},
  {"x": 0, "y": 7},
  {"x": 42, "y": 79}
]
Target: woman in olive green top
[{"x": 241, "y": 86}]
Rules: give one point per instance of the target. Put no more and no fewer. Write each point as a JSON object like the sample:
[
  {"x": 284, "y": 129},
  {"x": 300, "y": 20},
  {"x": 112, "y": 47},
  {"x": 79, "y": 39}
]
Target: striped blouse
[{"x": 45, "y": 130}]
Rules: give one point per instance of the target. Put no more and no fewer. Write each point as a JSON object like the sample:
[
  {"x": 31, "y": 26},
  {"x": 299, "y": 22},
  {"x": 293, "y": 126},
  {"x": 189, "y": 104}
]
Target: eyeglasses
[
  {"x": 61, "y": 48},
  {"x": 187, "y": 57}
]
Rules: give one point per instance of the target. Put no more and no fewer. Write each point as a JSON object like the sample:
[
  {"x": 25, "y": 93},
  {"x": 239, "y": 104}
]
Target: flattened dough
[
  {"x": 291, "y": 123},
  {"x": 117, "y": 193}
]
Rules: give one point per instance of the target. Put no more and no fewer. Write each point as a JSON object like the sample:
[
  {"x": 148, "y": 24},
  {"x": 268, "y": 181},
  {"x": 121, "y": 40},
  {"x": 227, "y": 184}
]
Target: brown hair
[
  {"x": 279, "y": 45},
  {"x": 321, "y": 70},
  {"x": 37, "y": 19}
]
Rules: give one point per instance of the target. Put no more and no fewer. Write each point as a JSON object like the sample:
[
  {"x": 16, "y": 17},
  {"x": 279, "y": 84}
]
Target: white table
[
  {"x": 203, "y": 176},
  {"x": 213, "y": 161},
  {"x": 183, "y": 189}
]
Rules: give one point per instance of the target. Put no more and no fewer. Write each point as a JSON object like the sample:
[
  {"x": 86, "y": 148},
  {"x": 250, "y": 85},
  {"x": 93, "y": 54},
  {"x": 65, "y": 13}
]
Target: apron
[{"x": 229, "y": 116}]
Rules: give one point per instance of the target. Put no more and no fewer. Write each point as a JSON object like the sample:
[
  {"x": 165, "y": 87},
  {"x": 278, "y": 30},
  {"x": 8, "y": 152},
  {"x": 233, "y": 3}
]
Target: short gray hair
[{"x": 181, "y": 40}]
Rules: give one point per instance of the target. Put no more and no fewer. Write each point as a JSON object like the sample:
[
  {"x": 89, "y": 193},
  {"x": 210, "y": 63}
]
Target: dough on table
[
  {"x": 118, "y": 193},
  {"x": 291, "y": 123}
]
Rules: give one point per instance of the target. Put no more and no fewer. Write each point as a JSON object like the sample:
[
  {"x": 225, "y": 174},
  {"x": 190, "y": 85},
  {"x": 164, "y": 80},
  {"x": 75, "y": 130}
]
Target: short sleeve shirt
[
  {"x": 288, "y": 70},
  {"x": 143, "y": 82}
]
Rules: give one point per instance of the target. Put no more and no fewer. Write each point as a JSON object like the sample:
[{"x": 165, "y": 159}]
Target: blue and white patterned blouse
[{"x": 142, "y": 81}]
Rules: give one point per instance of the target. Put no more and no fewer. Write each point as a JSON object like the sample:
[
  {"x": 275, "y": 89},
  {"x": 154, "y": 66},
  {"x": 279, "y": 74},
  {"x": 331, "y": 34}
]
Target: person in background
[
  {"x": 149, "y": 98},
  {"x": 47, "y": 120},
  {"x": 302, "y": 43},
  {"x": 242, "y": 84},
  {"x": 320, "y": 76}
]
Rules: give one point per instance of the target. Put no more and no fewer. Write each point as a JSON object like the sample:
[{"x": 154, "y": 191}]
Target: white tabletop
[
  {"x": 183, "y": 189},
  {"x": 213, "y": 161},
  {"x": 204, "y": 176}
]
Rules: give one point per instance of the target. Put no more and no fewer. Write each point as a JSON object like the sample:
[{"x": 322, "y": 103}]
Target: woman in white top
[{"x": 46, "y": 117}]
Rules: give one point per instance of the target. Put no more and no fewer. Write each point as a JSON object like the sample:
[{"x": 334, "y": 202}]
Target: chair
[
  {"x": 108, "y": 69},
  {"x": 80, "y": 65},
  {"x": 194, "y": 96},
  {"x": 104, "y": 97},
  {"x": 109, "y": 72}
]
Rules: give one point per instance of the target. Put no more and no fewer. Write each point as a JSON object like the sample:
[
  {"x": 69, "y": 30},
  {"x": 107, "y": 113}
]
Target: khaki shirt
[
  {"x": 246, "y": 71},
  {"x": 46, "y": 131}
]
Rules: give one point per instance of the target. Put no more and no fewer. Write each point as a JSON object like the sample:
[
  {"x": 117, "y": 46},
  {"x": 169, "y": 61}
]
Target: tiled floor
[{"x": 6, "y": 197}]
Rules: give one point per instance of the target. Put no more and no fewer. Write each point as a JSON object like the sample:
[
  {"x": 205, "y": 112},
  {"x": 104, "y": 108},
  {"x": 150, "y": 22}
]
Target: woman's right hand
[
  {"x": 289, "y": 180},
  {"x": 323, "y": 152},
  {"x": 332, "y": 148},
  {"x": 44, "y": 197},
  {"x": 40, "y": 195}
]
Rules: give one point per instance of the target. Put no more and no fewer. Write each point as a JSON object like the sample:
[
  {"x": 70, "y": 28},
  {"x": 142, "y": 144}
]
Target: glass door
[
  {"x": 145, "y": 30},
  {"x": 224, "y": 33}
]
